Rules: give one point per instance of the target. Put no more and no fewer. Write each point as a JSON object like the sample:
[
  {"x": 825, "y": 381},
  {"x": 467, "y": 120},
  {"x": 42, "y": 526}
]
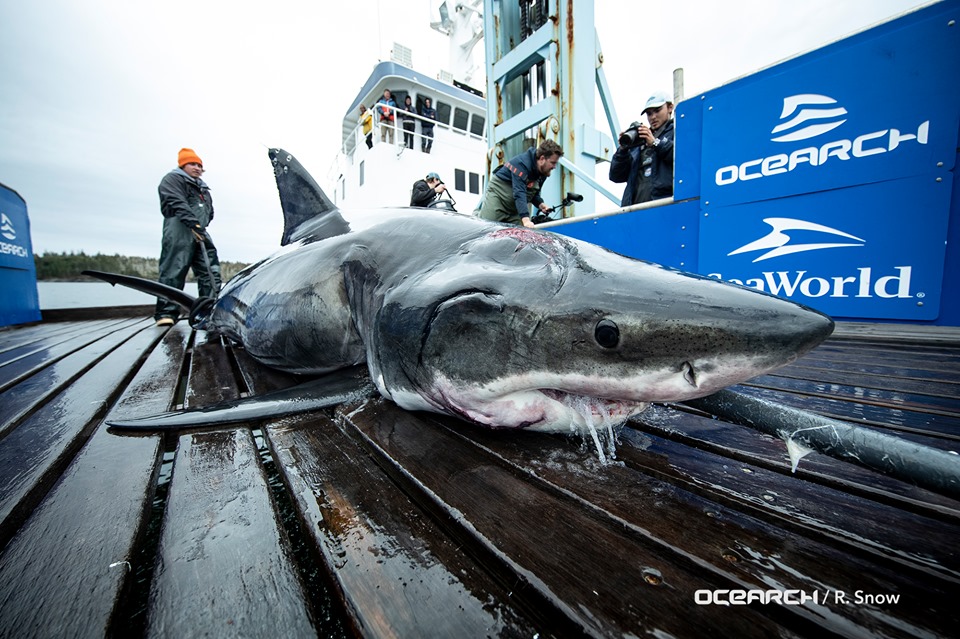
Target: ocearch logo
[
  {"x": 809, "y": 115},
  {"x": 6, "y": 227},
  {"x": 8, "y": 231},
  {"x": 816, "y": 116}
]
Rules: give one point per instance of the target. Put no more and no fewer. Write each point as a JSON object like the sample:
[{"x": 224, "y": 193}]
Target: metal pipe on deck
[{"x": 930, "y": 468}]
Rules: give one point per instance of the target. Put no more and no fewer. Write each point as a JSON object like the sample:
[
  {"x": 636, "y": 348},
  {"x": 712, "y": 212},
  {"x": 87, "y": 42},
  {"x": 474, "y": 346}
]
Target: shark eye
[{"x": 607, "y": 333}]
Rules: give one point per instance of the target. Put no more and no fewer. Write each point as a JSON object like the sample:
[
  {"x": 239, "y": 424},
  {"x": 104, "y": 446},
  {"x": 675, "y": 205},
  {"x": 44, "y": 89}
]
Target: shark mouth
[
  {"x": 595, "y": 409},
  {"x": 515, "y": 403}
]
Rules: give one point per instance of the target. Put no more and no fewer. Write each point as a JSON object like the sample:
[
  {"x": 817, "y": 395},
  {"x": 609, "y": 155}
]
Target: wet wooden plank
[
  {"x": 889, "y": 398},
  {"x": 901, "y": 420},
  {"x": 884, "y": 333},
  {"x": 34, "y": 454},
  {"x": 604, "y": 577},
  {"x": 396, "y": 570},
  {"x": 43, "y": 337},
  {"x": 224, "y": 565},
  {"x": 900, "y": 538},
  {"x": 761, "y": 553},
  {"x": 211, "y": 377},
  {"x": 932, "y": 384},
  {"x": 36, "y": 356},
  {"x": 223, "y": 569},
  {"x": 13, "y": 338},
  {"x": 84, "y": 537},
  {"x": 743, "y": 444},
  {"x": 925, "y": 355},
  {"x": 864, "y": 362},
  {"x": 98, "y": 312},
  {"x": 36, "y": 389}
]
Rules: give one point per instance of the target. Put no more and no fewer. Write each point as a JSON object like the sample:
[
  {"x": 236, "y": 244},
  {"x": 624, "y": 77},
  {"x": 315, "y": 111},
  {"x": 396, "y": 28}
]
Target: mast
[
  {"x": 543, "y": 62},
  {"x": 463, "y": 26}
]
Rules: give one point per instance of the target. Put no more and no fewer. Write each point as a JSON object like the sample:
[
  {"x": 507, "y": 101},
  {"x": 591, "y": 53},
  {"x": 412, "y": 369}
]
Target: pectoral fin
[{"x": 324, "y": 392}]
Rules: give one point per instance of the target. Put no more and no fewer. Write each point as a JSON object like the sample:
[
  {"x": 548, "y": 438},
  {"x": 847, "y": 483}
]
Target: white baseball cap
[{"x": 656, "y": 101}]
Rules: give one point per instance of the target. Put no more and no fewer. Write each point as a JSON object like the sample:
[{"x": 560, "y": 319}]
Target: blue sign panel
[
  {"x": 882, "y": 106},
  {"x": 15, "y": 247},
  {"x": 18, "y": 278},
  {"x": 872, "y": 251}
]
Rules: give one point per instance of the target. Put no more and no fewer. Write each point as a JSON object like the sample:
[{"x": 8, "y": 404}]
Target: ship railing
[{"x": 356, "y": 140}]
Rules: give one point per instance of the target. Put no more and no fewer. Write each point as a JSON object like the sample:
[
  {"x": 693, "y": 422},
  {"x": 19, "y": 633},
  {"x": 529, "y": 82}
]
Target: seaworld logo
[
  {"x": 811, "y": 115},
  {"x": 861, "y": 285},
  {"x": 778, "y": 241}
]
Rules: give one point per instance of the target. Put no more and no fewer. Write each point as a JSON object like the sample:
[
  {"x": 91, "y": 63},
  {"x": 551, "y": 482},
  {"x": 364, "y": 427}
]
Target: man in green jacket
[
  {"x": 187, "y": 209},
  {"x": 516, "y": 185}
]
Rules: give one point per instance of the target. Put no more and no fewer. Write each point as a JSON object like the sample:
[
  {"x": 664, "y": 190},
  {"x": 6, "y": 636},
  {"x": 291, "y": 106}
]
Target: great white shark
[{"x": 501, "y": 326}]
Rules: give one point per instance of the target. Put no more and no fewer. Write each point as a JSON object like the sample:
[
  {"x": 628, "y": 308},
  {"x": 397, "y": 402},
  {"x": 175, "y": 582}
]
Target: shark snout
[
  {"x": 735, "y": 343},
  {"x": 700, "y": 335},
  {"x": 787, "y": 330}
]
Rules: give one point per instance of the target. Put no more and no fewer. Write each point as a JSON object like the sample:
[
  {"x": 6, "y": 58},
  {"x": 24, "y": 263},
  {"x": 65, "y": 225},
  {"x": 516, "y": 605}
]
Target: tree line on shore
[{"x": 67, "y": 267}]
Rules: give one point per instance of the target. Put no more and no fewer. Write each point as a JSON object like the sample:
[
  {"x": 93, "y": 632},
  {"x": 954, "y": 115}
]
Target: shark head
[{"x": 524, "y": 329}]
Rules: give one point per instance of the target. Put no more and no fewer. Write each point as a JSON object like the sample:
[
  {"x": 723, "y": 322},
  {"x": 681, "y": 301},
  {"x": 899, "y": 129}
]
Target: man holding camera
[
  {"x": 644, "y": 159},
  {"x": 427, "y": 190}
]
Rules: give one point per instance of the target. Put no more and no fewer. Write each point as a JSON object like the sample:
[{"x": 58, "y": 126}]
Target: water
[
  {"x": 796, "y": 452},
  {"x": 93, "y": 294},
  {"x": 584, "y": 406}
]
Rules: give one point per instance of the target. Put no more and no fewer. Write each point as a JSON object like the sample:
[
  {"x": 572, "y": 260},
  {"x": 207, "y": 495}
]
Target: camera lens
[{"x": 628, "y": 138}]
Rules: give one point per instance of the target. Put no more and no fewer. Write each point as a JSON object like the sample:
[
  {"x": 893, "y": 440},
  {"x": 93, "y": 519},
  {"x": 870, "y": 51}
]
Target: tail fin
[
  {"x": 150, "y": 287},
  {"x": 302, "y": 199}
]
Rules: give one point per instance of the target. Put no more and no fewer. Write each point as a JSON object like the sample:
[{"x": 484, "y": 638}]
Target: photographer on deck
[
  {"x": 427, "y": 190},
  {"x": 644, "y": 159}
]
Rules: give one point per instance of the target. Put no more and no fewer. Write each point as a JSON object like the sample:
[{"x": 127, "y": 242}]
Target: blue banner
[
  {"x": 15, "y": 247},
  {"x": 878, "y": 107},
  {"x": 871, "y": 251}
]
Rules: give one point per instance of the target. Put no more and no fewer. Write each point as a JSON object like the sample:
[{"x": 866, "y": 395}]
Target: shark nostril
[{"x": 607, "y": 333}]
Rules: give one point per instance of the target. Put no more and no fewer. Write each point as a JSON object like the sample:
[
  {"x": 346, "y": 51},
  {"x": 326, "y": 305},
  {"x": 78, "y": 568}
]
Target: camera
[
  {"x": 631, "y": 137},
  {"x": 540, "y": 218}
]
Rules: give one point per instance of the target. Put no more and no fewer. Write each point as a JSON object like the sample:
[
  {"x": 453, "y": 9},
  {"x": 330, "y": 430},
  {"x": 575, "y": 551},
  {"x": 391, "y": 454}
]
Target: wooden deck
[{"x": 370, "y": 520}]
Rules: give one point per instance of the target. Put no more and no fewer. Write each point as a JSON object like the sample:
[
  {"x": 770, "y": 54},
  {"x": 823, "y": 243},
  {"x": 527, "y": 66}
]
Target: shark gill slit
[{"x": 436, "y": 312}]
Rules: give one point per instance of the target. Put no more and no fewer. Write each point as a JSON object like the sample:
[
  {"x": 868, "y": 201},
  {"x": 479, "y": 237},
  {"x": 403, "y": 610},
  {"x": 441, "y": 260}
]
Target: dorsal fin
[{"x": 302, "y": 199}]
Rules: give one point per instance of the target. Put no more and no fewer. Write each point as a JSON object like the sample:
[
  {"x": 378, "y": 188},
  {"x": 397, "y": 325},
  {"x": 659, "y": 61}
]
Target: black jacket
[
  {"x": 422, "y": 194},
  {"x": 628, "y": 165},
  {"x": 406, "y": 113},
  {"x": 186, "y": 198},
  {"x": 427, "y": 112}
]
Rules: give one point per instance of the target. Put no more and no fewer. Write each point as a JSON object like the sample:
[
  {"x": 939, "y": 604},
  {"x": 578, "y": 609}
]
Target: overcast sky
[{"x": 97, "y": 97}]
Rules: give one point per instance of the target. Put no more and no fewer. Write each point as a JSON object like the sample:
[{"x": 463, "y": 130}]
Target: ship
[{"x": 382, "y": 174}]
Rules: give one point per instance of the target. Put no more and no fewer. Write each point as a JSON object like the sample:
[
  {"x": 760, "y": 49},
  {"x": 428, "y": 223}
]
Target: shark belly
[{"x": 293, "y": 316}]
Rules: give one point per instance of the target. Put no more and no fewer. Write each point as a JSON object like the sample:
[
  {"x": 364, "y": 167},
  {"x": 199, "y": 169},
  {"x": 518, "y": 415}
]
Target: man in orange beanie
[{"x": 187, "y": 209}]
